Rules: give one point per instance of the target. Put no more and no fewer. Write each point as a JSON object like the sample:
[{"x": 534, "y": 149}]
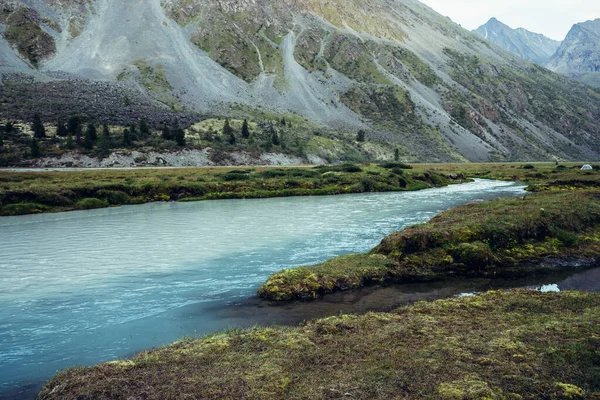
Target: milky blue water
[{"x": 83, "y": 287}]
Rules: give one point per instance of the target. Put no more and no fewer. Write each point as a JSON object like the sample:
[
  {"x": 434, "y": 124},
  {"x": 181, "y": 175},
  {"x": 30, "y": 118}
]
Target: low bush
[
  {"x": 392, "y": 165},
  {"x": 91, "y": 203},
  {"x": 23, "y": 209},
  {"x": 114, "y": 197}
]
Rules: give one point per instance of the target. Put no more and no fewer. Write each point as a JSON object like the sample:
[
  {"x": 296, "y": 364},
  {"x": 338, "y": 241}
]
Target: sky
[{"x": 553, "y": 18}]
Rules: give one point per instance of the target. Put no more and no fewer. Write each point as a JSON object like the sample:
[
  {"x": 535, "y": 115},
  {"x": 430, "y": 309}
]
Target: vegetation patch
[
  {"x": 495, "y": 345},
  {"x": 70, "y": 190},
  {"x": 91, "y": 203},
  {"x": 504, "y": 237}
]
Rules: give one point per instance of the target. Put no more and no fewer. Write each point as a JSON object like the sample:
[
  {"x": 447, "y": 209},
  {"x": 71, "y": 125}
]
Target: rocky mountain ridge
[
  {"x": 579, "y": 54},
  {"x": 528, "y": 45},
  {"x": 407, "y": 76}
]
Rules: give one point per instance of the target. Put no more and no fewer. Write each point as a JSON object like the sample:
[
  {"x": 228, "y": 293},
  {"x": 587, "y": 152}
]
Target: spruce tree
[
  {"x": 39, "y": 131},
  {"x": 180, "y": 137},
  {"x": 8, "y": 128},
  {"x": 74, "y": 127},
  {"x": 61, "y": 129},
  {"x": 73, "y": 124},
  {"x": 360, "y": 137},
  {"x": 104, "y": 142},
  {"x": 166, "y": 132},
  {"x": 283, "y": 122},
  {"x": 231, "y": 139},
  {"x": 88, "y": 142},
  {"x": 106, "y": 132},
  {"x": 397, "y": 154},
  {"x": 245, "y": 130},
  {"x": 69, "y": 143},
  {"x": 274, "y": 137},
  {"x": 133, "y": 131},
  {"x": 35, "y": 148},
  {"x": 127, "y": 138},
  {"x": 227, "y": 129},
  {"x": 144, "y": 129},
  {"x": 92, "y": 132}
]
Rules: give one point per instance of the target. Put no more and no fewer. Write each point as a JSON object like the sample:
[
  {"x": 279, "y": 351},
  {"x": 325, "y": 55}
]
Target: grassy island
[
  {"x": 499, "y": 345},
  {"x": 504, "y": 237},
  {"x": 54, "y": 191}
]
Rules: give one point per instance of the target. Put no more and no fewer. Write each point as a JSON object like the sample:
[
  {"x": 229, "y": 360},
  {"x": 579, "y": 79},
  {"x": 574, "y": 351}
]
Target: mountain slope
[
  {"x": 579, "y": 54},
  {"x": 530, "y": 46},
  {"x": 409, "y": 77}
]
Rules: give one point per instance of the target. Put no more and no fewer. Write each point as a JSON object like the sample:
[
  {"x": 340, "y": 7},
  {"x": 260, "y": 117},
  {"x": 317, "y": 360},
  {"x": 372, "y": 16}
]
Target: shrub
[
  {"x": 237, "y": 176},
  {"x": 114, "y": 196},
  {"x": 23, "y": 208},
  {"x": 392, "y": 165},
  {"x": 475, "y": 255},
  {"x": 272, "y": 173},
  {"x": 346, "y": 167},
  {"x": 568, "y": 239},
  {"x": 91, "y": 203},
  {"x": 528, "y": 166}
]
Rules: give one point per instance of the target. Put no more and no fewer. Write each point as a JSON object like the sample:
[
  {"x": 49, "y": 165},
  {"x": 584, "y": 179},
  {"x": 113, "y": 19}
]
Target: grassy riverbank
[
  {"x": 504, "y": 237},
  {"x": 37, "y": 192},
  {"x": 55, "y": 191},
  {"x": 499, "y": 345}
]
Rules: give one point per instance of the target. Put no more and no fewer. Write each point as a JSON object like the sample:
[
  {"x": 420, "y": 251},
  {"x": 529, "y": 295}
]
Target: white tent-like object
[{"x": 587, "y": 167}]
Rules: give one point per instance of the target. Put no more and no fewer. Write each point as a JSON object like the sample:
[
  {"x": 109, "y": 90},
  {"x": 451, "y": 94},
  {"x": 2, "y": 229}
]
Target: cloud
[{"x": 553, "y": 18}]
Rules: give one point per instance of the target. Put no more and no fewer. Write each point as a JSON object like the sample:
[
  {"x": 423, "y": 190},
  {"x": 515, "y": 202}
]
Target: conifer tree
[
  {"x": 106, "y": 132},
  {"x": 133, "y": 131},
  {"x": 8, "y": 128},
  {"x": 61, "y": 129},
  {"x": 127, "y": 138},
  {"x": 274, "y": 137},
  {"x": 397, "y": 154},
  {"x": 227, "y": 129},
  {"x": 88, "y": 141},
  {"x": 180, "y": 137},
  {"x": 166, "y": 132},
  {"x": 104, "y": 142},
  {"x": 360, "y": 137},
  {"x": 245, "y": 130},
  {"x": 35, "y": 148},
  {"x": 73, "y": 124},
  {"x": 144, "y": 129},
  {"x": 69, "y": 143},
  {"x": 92, "y": 132},
  {"x": 1, "y": 141},
  {"x": 39, "y": 131},
  {"x": 231, "y": 139}
]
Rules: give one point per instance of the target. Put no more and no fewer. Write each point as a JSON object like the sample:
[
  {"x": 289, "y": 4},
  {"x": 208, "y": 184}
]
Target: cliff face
[
  {"x": 530, "y": 46},
  {"x": 579, "y": 54},
  {"x": 398, "y": 70}
]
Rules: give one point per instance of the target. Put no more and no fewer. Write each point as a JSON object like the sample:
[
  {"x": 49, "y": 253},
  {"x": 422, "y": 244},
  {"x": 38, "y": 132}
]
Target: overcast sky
[{"x": 553, "y": 18}]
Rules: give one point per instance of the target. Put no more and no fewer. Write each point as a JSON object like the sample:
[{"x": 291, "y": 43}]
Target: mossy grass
[
  {"x": 498, "y": 345},
  {"x": 503, "y": 237},
  {"x": 64, "y": 190}
]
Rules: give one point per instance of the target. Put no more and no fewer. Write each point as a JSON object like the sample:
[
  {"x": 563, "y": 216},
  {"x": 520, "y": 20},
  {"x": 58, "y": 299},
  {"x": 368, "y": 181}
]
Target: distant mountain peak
[
  {"x": 528, "y": 45},
  {"x": 579, "y": 54}
]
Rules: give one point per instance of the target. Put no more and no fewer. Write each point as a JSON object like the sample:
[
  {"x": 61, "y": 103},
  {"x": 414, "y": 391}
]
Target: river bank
[
  {"x": 33, "y": 192},
  {"x": 57, "y": 191},
  {"x": 527, "y": 345}
]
